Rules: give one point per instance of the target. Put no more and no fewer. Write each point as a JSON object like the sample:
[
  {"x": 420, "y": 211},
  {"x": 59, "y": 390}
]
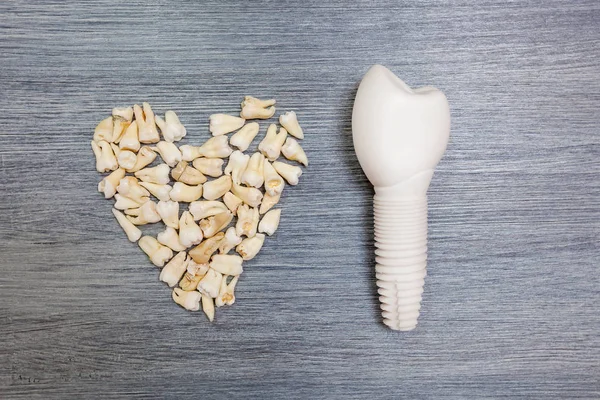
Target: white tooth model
[{"x": 400, "y": 134}]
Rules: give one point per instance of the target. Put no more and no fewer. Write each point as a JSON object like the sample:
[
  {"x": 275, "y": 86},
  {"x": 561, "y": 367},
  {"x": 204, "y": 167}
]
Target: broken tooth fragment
[
  {"x": 170, "y": 238},
  {"x": 226, "y": 264},
  {"x": 158, "y": 253},
  {"x": 253, "y": 108},
  {"x": 247, "y": 222},
  {"x": 189, "y": 232},
  {"x": 209, "y": 166},
  {"x": 144, "y": 157},
  {"x": 250, "y": 247},
  {"x": 242, "y": 138},
  {"x": 133, "y": 233},
  {"x": 190, "y": 300},
  {"x": 145, "y": 214},
  {"x": 291, "y": 173},
  {"x": 187, "y": 174},
  {"x": 146, "y": 124},
  {"x": 208, "y": 306},
  {"x": 226, "y": 295},
  {"x": 185, "y": 193},
  {"x": 249, "y": 195},
  {"x": 271, "y": 145},
  {"x": 161, "y": 192},
  {"x": 289, "y": 121},
  {"x": 232, "y": 201},
  {"x": 171, "y": 128},
  {"x": 201, "y": 254},
  {"x": 220, "y": 124},
  {"x": 174, "y": 270},
  {"x": 169, "y": 213},
  {"x": 158, "y": 175},
  {"x": 254, "y": 173},
  {"x": 273, "y": 182},
  {"x": 105, "y": 158},
  {"x": 230, "y": 240},
  {"x": 216, "y": 223},
  {"x": 293, "y": 151},
  {"x": 269, "y": 222},
  {"x": 109, "y": 184},
  {"x": 194, "y": 273}
]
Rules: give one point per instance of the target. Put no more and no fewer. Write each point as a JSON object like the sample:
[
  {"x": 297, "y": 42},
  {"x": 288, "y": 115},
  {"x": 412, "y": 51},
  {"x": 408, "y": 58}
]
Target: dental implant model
[{"x": 400, "y": 135}]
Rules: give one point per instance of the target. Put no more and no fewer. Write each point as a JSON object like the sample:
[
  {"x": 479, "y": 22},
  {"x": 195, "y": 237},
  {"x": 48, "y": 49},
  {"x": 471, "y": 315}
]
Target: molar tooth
[
  {"x": 122, "y": 118},
  {"x": 189, "y": 232},
  {"x": 251, "y": 196},
  {"x": 236, "y": 166},
  {"x": 289, "y": 121},
  {"x": 169, "y": 153},
  {"x": 293, "y": 151},
  {"x": 104, "y": 130},
  {"x": 158, "y": 174},
  {"x": 273, "y": 182},
  {"x": 226, "y": 264},
  {"x": 242, "y": 138},
  {"x": 194, "y": 273},
  {"x": 232, "y": 201},
  {"x": 146, "y": 124},
  {"x": 203, "y": 209},
  {"x": 187, "y": 174},
  {"x": 144, "y": 214},
  {"x": 226, "y": 295},
  {"x": 158, "y": 253},
  {"x": 269, "y": 223},
  {"x": 212, "y": 225},
  {"x": 190, "y": 300},
  {"x": 247, "y": 221},
  {"x": 208, "y": 306},
  {"x": 185, "y": 193},
  {"x": 209, "y": 166},
  {"x": 170, "y": 238},
  {"x": 221, "y": 124},
  {"x": 144, "y": 157},
  {"x": 217, "y": 188},
  {"x": 290, "y": 173},
  {"x": 230, "y": 240},
  {"x": 161, "y": 192},
  {"x": 130, "y": 140},
  {"x": 254, "y": 173},
  {"x": 171, "y": 128},
  {"x": 109, "y": 184},
  {"x": 105, "y": 158},
  {"x": 133, "y": 233},
  {"x": 250, "y": 247},
  {"x": 201, "y": 254},
  {"x": 169, "y": 213},
  {"x": 126, "y": 159},
  {"x": 174, "y": 270},
  {"x": 268, "y": 202},
  {"x": 130, "y": 187},
  {"x": 271, "y": 145},
  {"x": 211, "y": 283},
  {"x": 253, "y": 108}
]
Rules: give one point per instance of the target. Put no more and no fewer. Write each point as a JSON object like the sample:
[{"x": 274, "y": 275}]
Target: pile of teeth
[{"x": 206, "y": 274}]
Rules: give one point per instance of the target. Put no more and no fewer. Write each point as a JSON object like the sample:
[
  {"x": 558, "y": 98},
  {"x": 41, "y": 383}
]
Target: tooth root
[
  {"x": 232, "y": 201},
  {"x": 130, "y": 139},
  {"x": 271, "y": 145},
  {"x": 185, "y": 193},
  {"x": 268, "y": 202},
  {"x": 238, "y": 162},
  {"x": 220, "y": 124},
  {"x": 190, "y": 300},
  {"x": 250, "y": 247},
  {"x": 204, "y": 209},
  {"x": 104, "y": 130},
  {"x": 216, "y": 223},
  {"x": 158, "y": 175},
  {"x": 247, "y": 222},
  {"x": 226, "y": 295},
  {"x": 269, "y": 223},
  {"x": 208, "y": 306},
  {"x": 227, "y": 264},
  {"x": 145, "y": 214},
  {"x": 289, "y": 121},
  {"x": 169, "y": 213},
  {"x": 189, "y": 232},
  {"x": 170, "y": 238},
  {"x": 249, "y": 195},
  {"x": 242, "y": 138},
  {"x": 125, "y": 203},
  {"x": 174, "y": 270},
  {"x": 254, "y": 173},
  {"x": 146, "y": 124},
  {"x": 201, "y": 254},
  {"x": 157, "y": 253},
  {"x": 294, "y": 152},
  {"x": 217, "y": 188},
  {"x": 209, "y": 166},
  {"x": 273, "y": 182},
  {"x": 109, "y": 184},
  {"x": 133, "y": 233},
  {"x": 291, "y": 173}
]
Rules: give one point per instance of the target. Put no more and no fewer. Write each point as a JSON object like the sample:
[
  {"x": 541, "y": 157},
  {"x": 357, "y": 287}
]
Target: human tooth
[
  {"x": 144, "y": 214},
  {"x": 109, "y": 184},
  {"x": 208, "y": 306},
  {"x": 194, "y": 273},
  {"x": 209, "y": 166},
  {"x": 185, "y": 193},
  {"x": 174, "y": 270},
  {"x": 227, "y": 264},
  {"x": 133, "y": 233},
  {"x": 189, "y": 152},
  {"x": 203, "y": 209},
  {"x": 130, "y": 140},
  {"x": 211, "y": 283},
  {"x": 122, "y": 117},
  {"x": 242, "y": 138},
  {"x": 253, "y": 108},
  {"x": 273, "y": 182},
  {"x": 104, "y": 130},
  {"x": 170, "y": 238},
  {"x": 247, "y": 221},
  {"x": 189, "y": 232},
  {"x": 230, "y": 240},
  {"x": 105, "y": 158},
  {"x": 161, "y": 192},
  {"x": 158, "y": 175},
  {"x": 201, "y": 254},
  {"x": 169, "y": 153},
  {"x": 249, "y": 195},
  {"x": 269, "y": 222},
  {"x": 146, "y": 124},
  {"x": 232, "y": 201},
  {"x": 169, "y": 213},
  {"x": 126, "y": 159},
  {"x": 130, "y": 187},
  {"x": 290, "y": 173},
  {"x": 293, "y": 151},
  {"x": 158, "y": 253},
  {"x": 236, "y": 166},
  {"x": 171, "y": 128},
  {"x": 215, "y": 147},
  {"x": 290, "y": 122},
  {"x": 187, "y": 174},
  {"x": 221, "y": 124},
  {"x": 226, "y": 295},
  {"x": 144, "y": 157},
  {"x": 116, "y": 150},
  {"x": 250, "y": 247},
  {"x": 124, "y": 202},
  {"x": 270, "y": 146},
  {"x": 254, "y": 173},
  {"x": 190, "y": 300},
  {"x": 217, "y": 188},
  {"x": 268, "y": 202},
  {"x": 216, "y": 223}
]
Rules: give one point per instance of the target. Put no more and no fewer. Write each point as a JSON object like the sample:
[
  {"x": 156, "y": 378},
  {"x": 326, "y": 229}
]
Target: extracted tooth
[
  {"x": 126, "y": 159},
  {"x": 125, "y": 203},
  {"x": 161, "y": 192},
  {"x": 133, "y": 233},
  {"x": 158, "y": 253},
  {"x": 253, "y": 108},
  {"x": 250, "y": 247},
  {"x": 187, "y": 174},
  {"x": 230, "y": 240},
  {"x": 174, "y": 270},
  {"x": 105, "y": 158},
  {"x": 291, "y": 173},
  {"x": 269, "y": 223},
  {"x": 211, "y": 283},
  {"x": 221, "y": 124},
  {"x": 194, "y": 273},
  {"x": 217, "y": 187},
  {"x": 242, "y": 138},
  {"x": 254, "y": 173},
  {"x": 215, "y": 147},
  {"x": 201, "y": 254},
  {"x": 186, "y": 193},
  {"x": 171, "y": 128},
  {"x": 232, "y": 201},
  {"x": 189, "y": 232},
  {"x": 190, "y": 300},
  {"x": 270, "y": 146},
  {"x": 144, "y": 214},
  {"x": 209, "y": 166},
  {"x": 289, "y": 121},
  {"x": 130, "y": 187},
  {"x": 249, "y": 195},
  {"x": 268, "y": 202},
  {"x": 273, "y": 182},
  {"x": 158, "y": 174},
  {"x": 169, "y": 213},
  {"x": 293, "y": 151},
  {"x": 122, "y": 117},
  {"x": 168, "y": 152},
  {"x": 170, "y": 238},
  {"x": 203, "y": 209},
  {"x": 104, "y": 130},
  {"x": 236, "y": 166},
  {"x": 189, "y": 152},
  {"x": 144, "y": 157},
  {"x": 227, "y": 264},
  {"x": 130, "y": 140},
  {"x": 208, "y": 306},
  {"x": 226, "y": 295},
  {"x": 247, "y": 221},
  {"x": 109, "y": 184},
  {"x": 146, "y": 124},
  {"x": 212, "y": 225}
]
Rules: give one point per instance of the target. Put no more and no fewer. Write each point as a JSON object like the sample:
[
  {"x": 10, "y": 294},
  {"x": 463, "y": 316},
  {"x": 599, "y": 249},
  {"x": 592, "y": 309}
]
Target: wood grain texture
[{"x": 511, "y": 302}]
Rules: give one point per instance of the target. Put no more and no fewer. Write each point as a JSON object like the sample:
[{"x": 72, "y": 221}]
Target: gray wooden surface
[{"x": 511, "y": 302}]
